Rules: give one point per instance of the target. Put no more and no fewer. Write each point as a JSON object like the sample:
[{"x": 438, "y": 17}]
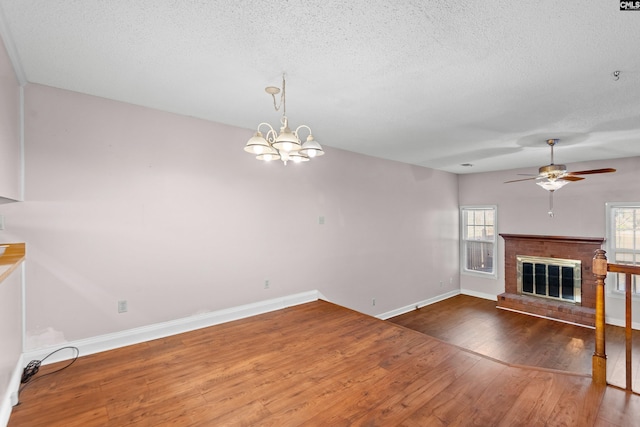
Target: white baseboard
[
  {"x": 477, "y": 294},
  {"x": 419, "y": 304},
  {"x": 621, "y": 322},
  {"x": 11, "y": 394},
  {"x": 165, "y": 329}
]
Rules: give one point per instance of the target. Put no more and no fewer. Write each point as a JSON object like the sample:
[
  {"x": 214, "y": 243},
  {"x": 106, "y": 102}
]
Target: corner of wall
[{"x": 10, "y": 397}]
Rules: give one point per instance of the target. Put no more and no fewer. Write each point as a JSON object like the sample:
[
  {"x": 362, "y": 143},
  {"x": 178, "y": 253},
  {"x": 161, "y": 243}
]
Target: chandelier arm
[
  {"x": 271, "y": 136},
  {"x": 300, "y": 127},
  {"x": 267, "y": 125}
]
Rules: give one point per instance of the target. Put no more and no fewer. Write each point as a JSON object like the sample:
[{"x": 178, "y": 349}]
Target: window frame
[
  {"x": 463, "y": 241},
  {"x": 610, "y": 248}
]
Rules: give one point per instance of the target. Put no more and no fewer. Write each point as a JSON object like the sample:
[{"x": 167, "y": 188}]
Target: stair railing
[{"x": 599, "y": 359}]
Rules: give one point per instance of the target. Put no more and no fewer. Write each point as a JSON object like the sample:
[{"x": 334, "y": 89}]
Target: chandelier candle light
[{"x": 286, "y": 145}]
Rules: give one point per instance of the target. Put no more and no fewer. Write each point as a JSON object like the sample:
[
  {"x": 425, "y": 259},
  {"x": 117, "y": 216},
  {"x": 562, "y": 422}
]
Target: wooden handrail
[
  {"x": 622, "y": 268},
  {"x": 599, "y": 361}
]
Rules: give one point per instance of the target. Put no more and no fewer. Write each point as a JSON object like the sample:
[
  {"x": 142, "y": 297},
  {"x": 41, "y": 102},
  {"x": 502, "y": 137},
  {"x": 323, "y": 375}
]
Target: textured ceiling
[{"x": 432, "y": 83}]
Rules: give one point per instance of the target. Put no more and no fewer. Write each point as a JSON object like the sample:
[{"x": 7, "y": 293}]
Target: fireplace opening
[{"x": 553, "y": 278}]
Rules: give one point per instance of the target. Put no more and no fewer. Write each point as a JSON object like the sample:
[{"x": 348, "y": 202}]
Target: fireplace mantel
[
  {"x": 559, "y": 239},
  {"x": 567, "y": 247}
]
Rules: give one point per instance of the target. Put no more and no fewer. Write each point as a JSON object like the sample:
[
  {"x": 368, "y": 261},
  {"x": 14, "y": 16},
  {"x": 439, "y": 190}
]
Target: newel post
[{"x": 599, "y": 359}]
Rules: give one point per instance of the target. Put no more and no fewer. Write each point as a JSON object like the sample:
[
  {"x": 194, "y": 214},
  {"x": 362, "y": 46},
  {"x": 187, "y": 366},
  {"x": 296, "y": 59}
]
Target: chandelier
[{"x": 287, "y": 144}]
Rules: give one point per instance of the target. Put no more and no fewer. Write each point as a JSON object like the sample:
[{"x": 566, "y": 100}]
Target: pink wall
[
  {"x": 170, "y": 214},
  {"x": 10, "y": 156},
  {"x": 10, "y": 172},
  {"x": 579, "y": 210}
]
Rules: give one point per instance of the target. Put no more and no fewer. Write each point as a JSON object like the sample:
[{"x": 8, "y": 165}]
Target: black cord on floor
[{"x": 32, "y": 369}]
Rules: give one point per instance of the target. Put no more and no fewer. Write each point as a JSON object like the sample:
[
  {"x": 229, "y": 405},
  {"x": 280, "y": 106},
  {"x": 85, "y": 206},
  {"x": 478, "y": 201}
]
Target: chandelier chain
[{"x": 283, "y": 99}]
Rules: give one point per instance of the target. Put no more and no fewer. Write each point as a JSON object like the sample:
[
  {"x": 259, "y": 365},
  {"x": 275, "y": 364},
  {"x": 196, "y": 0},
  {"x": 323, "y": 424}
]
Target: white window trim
[
  {"x": 463, "y": 252},
  {"x": 608, "y": 247}
]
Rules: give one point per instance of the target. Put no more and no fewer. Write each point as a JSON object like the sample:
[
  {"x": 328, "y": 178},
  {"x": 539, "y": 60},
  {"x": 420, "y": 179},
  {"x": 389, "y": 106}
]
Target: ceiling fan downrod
[
  {"x": 552, "y": 143},
  {"x": 552, "y": 171}
]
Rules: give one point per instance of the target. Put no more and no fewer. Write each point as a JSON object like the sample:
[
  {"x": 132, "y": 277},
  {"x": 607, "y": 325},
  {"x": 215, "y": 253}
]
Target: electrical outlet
[
  {"x": 122, "y": 306},
  {"x": 321, "y": 220},
  {"x": 373, "y": 301},
  {"x": 266, "y": 284},
  {"x": 440, "y": 283}
]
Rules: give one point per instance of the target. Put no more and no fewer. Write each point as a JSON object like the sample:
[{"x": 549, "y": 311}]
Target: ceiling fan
[{"x": 552, "y": 177}]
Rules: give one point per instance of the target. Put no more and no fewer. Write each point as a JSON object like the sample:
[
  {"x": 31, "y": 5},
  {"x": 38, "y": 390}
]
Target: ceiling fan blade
[
  {"x": 524, "y": 179},
  {"x": 571, "y": 178},
  {"x": 592, "y": 171}
]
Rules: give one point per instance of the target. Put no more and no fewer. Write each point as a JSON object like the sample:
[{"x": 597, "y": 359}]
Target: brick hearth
[{"x": 578, "y": 248}]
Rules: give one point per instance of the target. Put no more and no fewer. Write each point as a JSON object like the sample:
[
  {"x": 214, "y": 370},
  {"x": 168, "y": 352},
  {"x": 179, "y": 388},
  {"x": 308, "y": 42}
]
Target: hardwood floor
[
  {"x": 316, "y": 364},
  {"x": 514, "y": 338}
]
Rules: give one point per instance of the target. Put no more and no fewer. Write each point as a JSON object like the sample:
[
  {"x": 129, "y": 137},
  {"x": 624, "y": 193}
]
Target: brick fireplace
[{"x": 579, "y": 249}]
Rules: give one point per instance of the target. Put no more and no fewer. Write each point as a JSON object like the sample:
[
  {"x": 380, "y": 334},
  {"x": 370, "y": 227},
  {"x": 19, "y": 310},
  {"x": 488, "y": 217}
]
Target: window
[
  {"x": 623, "y": 241},
  {"x": 478, "y": 242}
]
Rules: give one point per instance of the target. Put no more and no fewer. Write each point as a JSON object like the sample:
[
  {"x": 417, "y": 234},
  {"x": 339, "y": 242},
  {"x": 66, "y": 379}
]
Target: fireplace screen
[{"x": 554, "y": 278}]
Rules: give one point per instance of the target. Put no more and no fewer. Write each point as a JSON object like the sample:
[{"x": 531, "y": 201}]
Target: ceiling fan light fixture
[{"x": 551, "y": 184}]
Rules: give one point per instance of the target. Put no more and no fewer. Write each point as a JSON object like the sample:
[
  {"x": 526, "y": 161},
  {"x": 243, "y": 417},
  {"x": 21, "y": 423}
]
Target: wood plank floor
[
  {"x": 514, "y": 338},
  {"x": 316, "y": 364}
]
